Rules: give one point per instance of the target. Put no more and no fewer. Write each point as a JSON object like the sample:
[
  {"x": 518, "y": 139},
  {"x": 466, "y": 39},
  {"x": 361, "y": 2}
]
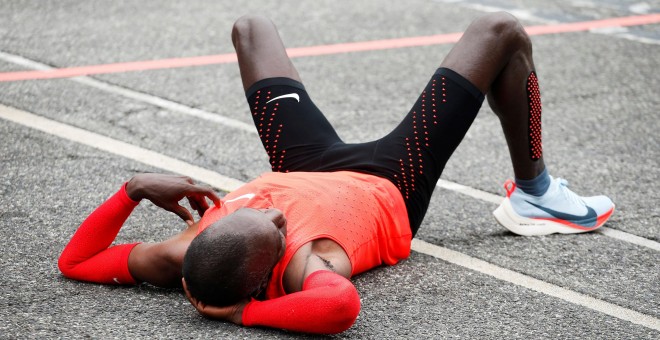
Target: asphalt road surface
[{"x": 68, "y": 143}]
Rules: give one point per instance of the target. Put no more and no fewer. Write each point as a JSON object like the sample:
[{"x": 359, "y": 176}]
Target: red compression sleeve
[
  {"x": 87, "y": 256},
  {"x": 328, "y": 304}
]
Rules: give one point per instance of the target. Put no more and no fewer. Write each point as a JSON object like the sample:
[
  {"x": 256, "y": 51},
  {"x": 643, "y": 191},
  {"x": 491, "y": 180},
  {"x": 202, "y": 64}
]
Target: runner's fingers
[
  {"x": 193, "y": 203},
  {"x": 199, "y": 204},
  {"x": 208, "y": 192},
  {"x": 183, "y": 213},
  {"x": 214, "y": 198},
  {"x": 203, "y": 205}
]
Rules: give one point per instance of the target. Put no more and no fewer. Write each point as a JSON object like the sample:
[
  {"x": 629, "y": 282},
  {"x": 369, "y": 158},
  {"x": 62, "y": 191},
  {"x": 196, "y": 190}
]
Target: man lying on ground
[{"x": 279, "y": 251}]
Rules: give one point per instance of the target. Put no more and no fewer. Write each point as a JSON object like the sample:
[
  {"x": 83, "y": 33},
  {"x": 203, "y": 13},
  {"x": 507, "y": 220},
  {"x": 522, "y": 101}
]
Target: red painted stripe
[
  {"x": 119, "y": 67},
  {"x": 317, "y": 50}
]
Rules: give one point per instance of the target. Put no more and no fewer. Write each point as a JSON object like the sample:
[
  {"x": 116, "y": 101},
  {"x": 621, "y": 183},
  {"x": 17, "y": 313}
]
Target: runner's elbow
[
  {"x": 66, "y": 265},
  {"x": 345, "y": 312}
]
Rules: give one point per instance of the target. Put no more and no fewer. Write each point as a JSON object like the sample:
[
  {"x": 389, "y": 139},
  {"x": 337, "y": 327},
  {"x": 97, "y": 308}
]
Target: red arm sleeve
[
  {"x": 328, "y": 304},
  {"x": 87, "y": 256}
]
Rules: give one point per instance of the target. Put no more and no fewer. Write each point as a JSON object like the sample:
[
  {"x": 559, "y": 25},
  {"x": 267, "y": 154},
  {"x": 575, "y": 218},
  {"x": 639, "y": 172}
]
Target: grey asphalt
[{"x": 600, "y": 128}]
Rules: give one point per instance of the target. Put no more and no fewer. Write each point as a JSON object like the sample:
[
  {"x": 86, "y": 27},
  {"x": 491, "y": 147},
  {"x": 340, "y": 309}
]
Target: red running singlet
[{"x": 364, "y": 214}]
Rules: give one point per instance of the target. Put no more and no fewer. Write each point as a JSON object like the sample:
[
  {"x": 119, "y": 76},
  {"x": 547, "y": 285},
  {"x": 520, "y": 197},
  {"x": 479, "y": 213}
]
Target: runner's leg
[
  {"x": 260, "y": 51},
  {"x": 292, "y": 129},
  {"x": 414, "y": 154},
  {"x": 495, "y": 54}
]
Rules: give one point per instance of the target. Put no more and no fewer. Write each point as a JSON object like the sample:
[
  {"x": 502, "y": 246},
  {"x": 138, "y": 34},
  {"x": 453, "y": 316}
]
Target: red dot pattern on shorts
[
  {"x": 269, "y": 131},
  {"x": 421, "y": 123},
  {"x": 534, "y": 103}
]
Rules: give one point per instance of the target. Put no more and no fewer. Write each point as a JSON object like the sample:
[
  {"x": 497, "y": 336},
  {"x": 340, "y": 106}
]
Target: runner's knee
[
  {"x": 506, "y": 29},
  {"x": 246, "y": 25}
]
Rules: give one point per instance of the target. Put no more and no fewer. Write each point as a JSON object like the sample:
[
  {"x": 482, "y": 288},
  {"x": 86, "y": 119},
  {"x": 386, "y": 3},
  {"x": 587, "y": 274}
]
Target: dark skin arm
[
  {"x": 321, "y": 254},
  {"x": 160, "y": 263}
]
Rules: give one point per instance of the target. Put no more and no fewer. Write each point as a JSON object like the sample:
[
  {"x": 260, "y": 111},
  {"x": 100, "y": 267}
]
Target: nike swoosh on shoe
[
  {"x": 587, "y": 220},
  {"x": 290, "y": 95}
]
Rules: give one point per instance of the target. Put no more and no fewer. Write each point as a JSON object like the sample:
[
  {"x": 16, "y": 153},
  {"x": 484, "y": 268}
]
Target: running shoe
[{"x": 559, "y": 210}]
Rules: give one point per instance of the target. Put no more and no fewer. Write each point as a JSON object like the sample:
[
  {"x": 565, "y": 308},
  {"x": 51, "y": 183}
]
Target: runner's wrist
[{"x": 134, "y": 189}]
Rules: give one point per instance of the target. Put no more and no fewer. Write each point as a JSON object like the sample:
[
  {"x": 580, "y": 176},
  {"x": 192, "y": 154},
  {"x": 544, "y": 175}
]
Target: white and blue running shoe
[{"x": 559, "y": 210}]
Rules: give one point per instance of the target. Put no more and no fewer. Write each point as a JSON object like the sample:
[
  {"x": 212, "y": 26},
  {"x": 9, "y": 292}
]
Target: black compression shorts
[{"x": 297, "y": 137}]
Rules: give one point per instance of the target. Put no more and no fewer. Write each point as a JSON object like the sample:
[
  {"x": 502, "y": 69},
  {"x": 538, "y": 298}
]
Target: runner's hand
[
  {"x": 166, "y": 191},
  {"x": 232, "y": 313}
]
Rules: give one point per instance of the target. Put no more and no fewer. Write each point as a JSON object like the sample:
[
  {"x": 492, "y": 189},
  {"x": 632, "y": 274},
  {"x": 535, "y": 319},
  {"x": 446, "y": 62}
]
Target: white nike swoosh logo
[
  {"x": 116, "y": 280},
  {"x": 244, "y": 196},
  {"x": 290, "y": 95}
]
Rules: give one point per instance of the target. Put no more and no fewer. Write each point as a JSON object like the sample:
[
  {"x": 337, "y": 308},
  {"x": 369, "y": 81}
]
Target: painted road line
[
  {"x": 361, "y": 46},
  {"x": 22, "y": 61},
  {"x": 166, "y": 104},
  {"x": 119, "y": 67},
  {"x": 469, "y": 191},
  {"x": 630, "y": 238},
  {"x": 535, "y": 284},
  {"x": 219, "y": 181},
  {"x": 139, "y": 96},
  {"x": 117, "y": 147}
]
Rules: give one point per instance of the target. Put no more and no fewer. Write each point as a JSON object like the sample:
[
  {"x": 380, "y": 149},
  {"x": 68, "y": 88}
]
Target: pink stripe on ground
[{"x": 316, "y": 50}]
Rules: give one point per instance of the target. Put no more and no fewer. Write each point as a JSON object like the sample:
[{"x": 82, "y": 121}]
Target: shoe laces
[{"x": 568, "y": 194}]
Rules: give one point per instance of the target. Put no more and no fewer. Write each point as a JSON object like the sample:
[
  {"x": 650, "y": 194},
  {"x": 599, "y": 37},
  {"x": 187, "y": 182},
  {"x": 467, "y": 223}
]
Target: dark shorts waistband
[{"x": 273, "y": 82}]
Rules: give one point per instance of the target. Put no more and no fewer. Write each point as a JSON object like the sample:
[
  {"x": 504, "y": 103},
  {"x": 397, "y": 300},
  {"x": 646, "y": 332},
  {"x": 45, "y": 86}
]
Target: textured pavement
[{"x": 601, "y": 111}]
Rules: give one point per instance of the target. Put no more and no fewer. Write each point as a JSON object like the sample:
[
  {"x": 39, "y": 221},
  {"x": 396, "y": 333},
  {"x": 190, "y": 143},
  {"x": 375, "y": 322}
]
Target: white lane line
[
  {"x": 118, "y": 148},
  {"x": 630, "y": 238},
  {"x": 136, "y": 95},
  {"x": 469, "y": 191},
  {"x": 166, "y": 104},
  {"x": 228, "y": 184},
  {"x": 535, "y": 284},
  {"x": 21, "y": 61}
]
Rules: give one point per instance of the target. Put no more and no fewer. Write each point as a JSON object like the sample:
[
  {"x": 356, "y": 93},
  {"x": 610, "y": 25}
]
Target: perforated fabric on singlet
[{"x": 364, "y": 214}]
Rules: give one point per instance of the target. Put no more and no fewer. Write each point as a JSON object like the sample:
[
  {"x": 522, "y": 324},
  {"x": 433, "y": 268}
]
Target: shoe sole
[{"x": 524, "y": 226}]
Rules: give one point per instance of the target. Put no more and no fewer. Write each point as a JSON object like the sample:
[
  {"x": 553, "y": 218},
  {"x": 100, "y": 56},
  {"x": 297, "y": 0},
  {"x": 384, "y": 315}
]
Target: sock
[{"x": 536, "y": 186}]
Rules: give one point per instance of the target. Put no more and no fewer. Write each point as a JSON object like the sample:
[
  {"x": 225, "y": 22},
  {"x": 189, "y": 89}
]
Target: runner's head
[{"x": 232, "y": 259}]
